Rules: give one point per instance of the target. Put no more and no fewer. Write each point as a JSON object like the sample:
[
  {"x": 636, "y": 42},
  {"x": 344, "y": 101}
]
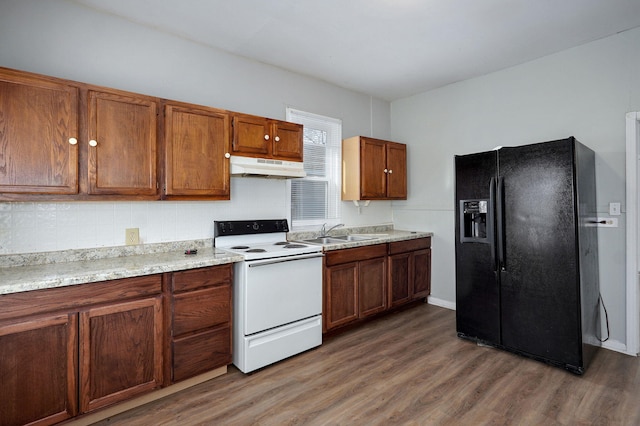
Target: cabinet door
[
  {"x": 372, "y": 283},
  {"x": 421, "y": 273},
  {"x": 38, "y": 360},
  {"x": 120, "y": 352},
  {"x": 38, "y": 135},
  {"x": 400, "y": 278},
  {"x": 287, "y": 141},
  {"x": 123, "y": 130},
  {"x": 341, "y": 298},
  {"x": 196, "y": 141},
  {"x": 396, "y": 170},
  {"x": 373, "y": 179},
  {"x": 251, "y": 136}
]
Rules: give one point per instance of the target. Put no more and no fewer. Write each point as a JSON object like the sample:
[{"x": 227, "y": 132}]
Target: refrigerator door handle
[
  {"x": 491, "y": 225},
  {"x": 500, "y": 224}
]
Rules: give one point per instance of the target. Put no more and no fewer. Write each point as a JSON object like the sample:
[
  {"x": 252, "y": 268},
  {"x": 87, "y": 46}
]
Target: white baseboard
[
  {"x": 442, "y": 303},
  {"x": 617, "y": 346}
]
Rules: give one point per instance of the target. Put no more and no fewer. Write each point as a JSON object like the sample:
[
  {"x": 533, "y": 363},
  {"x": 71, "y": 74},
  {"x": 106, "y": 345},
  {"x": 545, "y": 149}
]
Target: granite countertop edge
[{"x": 53, "y": 275}]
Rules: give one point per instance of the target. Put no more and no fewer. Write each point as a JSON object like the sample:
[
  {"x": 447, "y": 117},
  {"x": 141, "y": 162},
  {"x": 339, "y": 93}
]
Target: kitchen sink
[
  {"x": 338, "y": 239},
  {"x": 322, "y": 240},
  {"x": 352, "y": 238}
]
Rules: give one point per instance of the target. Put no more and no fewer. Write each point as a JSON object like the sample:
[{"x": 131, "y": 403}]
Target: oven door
[{"x": 281, "y": 291}]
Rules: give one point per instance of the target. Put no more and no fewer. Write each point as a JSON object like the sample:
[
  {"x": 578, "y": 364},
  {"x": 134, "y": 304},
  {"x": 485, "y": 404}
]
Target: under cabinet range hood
[{"x": 266, "y": 168}]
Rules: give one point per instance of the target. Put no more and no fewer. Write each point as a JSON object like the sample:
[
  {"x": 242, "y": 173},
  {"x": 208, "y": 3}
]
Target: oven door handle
[{"x": 255, "y": 263}]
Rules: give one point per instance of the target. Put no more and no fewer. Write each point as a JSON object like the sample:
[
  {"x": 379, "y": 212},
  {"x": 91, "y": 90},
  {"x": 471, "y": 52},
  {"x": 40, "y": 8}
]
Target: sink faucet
[{"x": 324, "y": 231}]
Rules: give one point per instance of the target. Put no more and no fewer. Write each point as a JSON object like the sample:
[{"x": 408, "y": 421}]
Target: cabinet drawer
[
  {"x": 203, "y": 277},
  {"x": 201, "y": 309},
  {"x": 201, "y": 352},
  {"x": 77, "y": 296},
  {"x": 409, "y": 245},
  {"x": 337, "y": 257}
]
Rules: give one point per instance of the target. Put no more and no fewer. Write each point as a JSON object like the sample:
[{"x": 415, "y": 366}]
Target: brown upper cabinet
[
  {"x": 197, "y": 154},
  {"x": 122, "y": 144},
  {"x": 266, "y": 138},
  {"x": 62, "y": 140},
  {"x": 373, "y": 169},
  {"x": 39, "y": 133},
  {"x": 66, "y": 140}
]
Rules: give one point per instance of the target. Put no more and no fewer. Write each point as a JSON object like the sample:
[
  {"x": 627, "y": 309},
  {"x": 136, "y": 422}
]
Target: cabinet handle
[
  {"x": 386, "y": 171},
  {"x": 277, "y": 139},
  {"x": 93, "y": 142},
  {"x": 390, "y": 171},
  {"x": 227, "y": 155},
  {"x": 73, "y": 141},
  {"x": 266, "y": 137}
]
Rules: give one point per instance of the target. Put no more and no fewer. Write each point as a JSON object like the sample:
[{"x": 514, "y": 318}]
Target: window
[{"x": 315, "y": 199}]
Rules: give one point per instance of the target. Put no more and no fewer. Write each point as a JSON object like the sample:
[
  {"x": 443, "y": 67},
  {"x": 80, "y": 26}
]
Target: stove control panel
[{"x": 247, "y": 227}]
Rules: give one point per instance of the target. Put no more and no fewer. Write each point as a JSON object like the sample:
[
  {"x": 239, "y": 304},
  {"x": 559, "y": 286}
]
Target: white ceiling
[{"x": 386, "y": 48}]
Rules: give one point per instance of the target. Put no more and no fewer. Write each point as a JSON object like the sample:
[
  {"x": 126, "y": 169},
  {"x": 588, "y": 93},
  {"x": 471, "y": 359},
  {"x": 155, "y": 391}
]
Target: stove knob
[{"x": 255, "y": 226}]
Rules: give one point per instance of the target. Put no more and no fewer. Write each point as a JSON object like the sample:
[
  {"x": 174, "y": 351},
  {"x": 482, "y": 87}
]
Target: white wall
[
  {"x": 63, "y": 39},
  {"x": 584, "y": 92}
]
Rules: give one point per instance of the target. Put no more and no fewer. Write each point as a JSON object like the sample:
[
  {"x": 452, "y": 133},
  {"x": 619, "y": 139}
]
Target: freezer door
[
  {"x": 477, "y": 291},
  {"x": 539, "y": 274}
]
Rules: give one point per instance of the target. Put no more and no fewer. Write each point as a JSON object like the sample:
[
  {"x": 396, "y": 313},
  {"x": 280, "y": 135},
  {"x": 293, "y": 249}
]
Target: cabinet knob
[
  {"x": 93, "y": 142},
  {"x": 266, "y": 137},
  {"x": 386, "y": 171},
  {"x": 73, "y": 141},
  {"x": 227, "y": 155},
  {"x": 277, "y": 139},
  {"x": 390, "y": 171}
]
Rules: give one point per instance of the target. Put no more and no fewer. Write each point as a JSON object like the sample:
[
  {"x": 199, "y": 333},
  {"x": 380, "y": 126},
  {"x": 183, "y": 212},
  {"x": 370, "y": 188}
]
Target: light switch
[{"x": 614, "y": 209}]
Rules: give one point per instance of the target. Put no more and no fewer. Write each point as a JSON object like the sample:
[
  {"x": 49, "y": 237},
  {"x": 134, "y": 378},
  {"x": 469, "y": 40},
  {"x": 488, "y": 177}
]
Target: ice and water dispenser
[{"x": 475, "y": 221}]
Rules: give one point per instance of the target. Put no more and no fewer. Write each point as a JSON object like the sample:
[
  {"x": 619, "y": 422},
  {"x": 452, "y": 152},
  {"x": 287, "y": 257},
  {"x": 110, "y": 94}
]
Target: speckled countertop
[
  {"x": 379, "y": 234},
  {"x": 37, "y": 271}
]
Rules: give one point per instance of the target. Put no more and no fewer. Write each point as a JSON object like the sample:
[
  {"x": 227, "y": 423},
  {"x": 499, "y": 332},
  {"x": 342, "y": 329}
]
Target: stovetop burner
[
  {"x": 239, "y": 247},
  {"x": 281, "y": 243},
  {"x": 256, "y": 250},
  {"x": 291, "y": 246}
]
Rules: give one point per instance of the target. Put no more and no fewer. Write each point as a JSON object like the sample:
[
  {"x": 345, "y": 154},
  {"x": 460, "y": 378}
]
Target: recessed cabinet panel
[
  {"x": 372, "y": 173},
  {"x": 122, "y": 144},
  {"x": 196, "y": 142},
  {"x": 287, "y": 141},
  {"x": 121, "y": 352},
  {"x": 38, "y": 135},
  {"x": 38, "y": 360},
  {"x": 251, "y": 136},
  {"x": 396, "y": 154}
]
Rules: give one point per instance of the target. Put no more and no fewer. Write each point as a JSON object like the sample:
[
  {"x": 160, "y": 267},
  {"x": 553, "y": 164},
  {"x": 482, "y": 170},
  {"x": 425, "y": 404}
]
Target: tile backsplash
[{"x": 37, "y": 227}]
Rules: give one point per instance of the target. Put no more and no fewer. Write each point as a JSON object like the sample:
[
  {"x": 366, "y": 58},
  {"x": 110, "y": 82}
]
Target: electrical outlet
[
  {"x": 132, "y": 236},
  {"x": 614, "y": 209}
]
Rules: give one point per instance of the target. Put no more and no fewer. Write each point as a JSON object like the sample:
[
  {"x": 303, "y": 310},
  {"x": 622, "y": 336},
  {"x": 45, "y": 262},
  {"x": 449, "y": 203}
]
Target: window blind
[{"x": 315, "y": 199}]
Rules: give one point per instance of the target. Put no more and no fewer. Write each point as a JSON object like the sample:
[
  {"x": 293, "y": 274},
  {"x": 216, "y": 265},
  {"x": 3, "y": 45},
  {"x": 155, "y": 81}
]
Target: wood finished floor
[{"x": 406, "y": 368}]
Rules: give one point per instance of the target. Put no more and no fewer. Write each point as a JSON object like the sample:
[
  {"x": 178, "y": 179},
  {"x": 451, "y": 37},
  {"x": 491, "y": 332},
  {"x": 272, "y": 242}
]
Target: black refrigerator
[{"x": 527, "y": 251}]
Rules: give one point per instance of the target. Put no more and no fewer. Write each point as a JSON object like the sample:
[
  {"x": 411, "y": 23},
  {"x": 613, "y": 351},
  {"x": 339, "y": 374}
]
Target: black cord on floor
[{"x": 606, "y": 317}]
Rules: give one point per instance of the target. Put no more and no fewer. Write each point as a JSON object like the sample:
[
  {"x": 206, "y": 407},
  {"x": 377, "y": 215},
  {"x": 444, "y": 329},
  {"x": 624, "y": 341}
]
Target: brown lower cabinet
[
  {"x": 39, "y": 385},
  {"x": 409, "y": 270},
  {"x": 72, "y": 350},
  {"x": 355, "y": 282},
  {"x": 120, "y": 351},
  {"x": 364, "y": 281}
]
